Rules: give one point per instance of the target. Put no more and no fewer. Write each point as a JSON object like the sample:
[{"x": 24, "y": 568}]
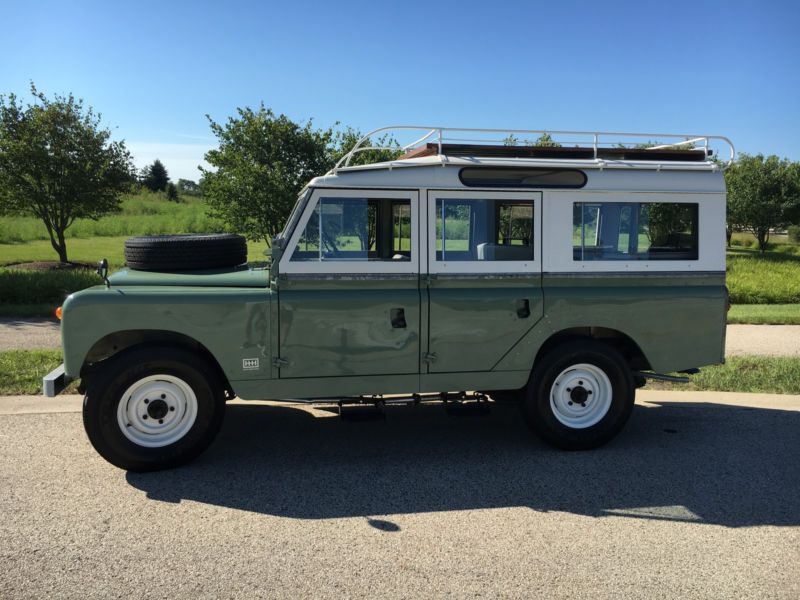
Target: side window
[
  {"x": 484, "y": 230},
  {"x": 356, "y": 229},
  {"x": 634, "y": 231}
]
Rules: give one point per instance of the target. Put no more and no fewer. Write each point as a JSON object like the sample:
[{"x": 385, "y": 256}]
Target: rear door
[{"x": 484, "y": 276}]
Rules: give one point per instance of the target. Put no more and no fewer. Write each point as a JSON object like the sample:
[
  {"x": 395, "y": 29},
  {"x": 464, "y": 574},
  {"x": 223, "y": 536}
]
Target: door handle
[
  {"x": 398, "y": 318},
  {"x": 523, "y": 308}
]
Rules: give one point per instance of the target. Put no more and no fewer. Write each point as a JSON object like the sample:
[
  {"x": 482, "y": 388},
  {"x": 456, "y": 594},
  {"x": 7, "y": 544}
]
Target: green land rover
[{"x": 468, "y": 268}]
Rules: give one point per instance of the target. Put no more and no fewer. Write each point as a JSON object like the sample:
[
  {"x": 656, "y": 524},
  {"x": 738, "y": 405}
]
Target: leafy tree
[
  {"x": 188, "y": 187},
  {"x": 262, "y": 163},
  {"x": 155, "y": 177},
  {"x": 763, "y": 193},
  {"x": 58, "y": 163},
  {"x": 172, "y": 192},
  {"x": 546, "y": 141},
  {"x": 543, "y": 141},
  {"x": 386, "y": 146}
]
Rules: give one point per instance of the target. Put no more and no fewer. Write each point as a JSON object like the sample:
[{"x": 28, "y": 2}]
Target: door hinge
[
  {"x": 279, "y": 362},
  {"x": 429, "y": 357}
]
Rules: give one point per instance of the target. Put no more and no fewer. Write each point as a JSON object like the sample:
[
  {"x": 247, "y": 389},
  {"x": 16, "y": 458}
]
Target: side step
[
  {"x": 372, "y": 408},
  {"x": 662, "y": 377}
]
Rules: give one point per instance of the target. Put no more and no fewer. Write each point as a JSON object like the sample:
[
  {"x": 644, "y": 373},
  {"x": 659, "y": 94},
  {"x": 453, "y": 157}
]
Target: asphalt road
[
  {"x": 763, "y": 340},
  {"x": 698, "y": 498}
]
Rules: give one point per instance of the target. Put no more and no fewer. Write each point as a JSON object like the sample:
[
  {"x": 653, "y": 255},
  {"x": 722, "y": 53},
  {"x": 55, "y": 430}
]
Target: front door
[
  {"x": 349, "y": 300},
  {"x": 484, "y": 276}
]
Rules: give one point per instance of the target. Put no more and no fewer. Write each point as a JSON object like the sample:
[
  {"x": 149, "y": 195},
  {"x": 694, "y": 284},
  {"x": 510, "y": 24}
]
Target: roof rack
[{"x": 598, "y": 146}]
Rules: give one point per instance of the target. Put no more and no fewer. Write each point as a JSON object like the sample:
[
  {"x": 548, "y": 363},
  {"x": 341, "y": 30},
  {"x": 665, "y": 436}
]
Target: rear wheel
[
  {"x": 153, "y": 408},
  {"x": 580, "y": 395}
]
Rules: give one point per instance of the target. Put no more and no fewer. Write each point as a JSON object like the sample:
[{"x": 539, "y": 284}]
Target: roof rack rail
[{"x": 582, "y": 145}]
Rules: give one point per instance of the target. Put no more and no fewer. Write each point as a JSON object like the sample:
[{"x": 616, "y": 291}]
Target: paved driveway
[{"x": 698, "y": 498}]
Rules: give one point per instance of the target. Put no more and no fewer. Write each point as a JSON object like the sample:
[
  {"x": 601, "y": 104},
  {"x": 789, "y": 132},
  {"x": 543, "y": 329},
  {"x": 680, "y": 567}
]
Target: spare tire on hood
[{"x": 189, "y": 252}]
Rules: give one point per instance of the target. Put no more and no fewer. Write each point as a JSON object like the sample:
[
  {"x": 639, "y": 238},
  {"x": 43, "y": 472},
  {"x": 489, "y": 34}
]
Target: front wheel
[
  {"x": 153, "y": 408},
  {"x": 579, "y": 396}
]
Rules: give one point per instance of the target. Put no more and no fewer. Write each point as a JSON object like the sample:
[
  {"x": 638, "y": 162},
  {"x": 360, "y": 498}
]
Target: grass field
[
  {"x": 765, "y": 314},
  {"x": 772, "y": 278},
  {"x": 21, "y": 372},
  {"x": 763, "y": 374},
  {"x": 144, "y": 213}
]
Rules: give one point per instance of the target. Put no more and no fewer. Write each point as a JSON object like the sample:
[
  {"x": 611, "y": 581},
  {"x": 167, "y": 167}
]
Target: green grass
[
  {"x": 772, "y": 278},
  {"x": 42, "y": 287},
  {"x": 21, "y": 371},
  {"x": 27, "y": 310},
  {"x": 144, "y": 213},
  {"x": 766, "y": 314},
  {"x": 762, "y": 374}
]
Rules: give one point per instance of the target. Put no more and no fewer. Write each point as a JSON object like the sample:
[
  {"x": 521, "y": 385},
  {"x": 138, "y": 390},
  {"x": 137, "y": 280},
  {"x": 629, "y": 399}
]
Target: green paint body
[{"x": 334, "y": 336}]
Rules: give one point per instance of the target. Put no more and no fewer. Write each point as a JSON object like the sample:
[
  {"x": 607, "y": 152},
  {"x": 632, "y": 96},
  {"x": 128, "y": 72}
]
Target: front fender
[{"x": 233, "y": 324}]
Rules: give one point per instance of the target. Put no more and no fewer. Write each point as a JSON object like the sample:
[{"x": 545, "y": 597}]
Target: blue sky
[{"x": 154, "y": 69}]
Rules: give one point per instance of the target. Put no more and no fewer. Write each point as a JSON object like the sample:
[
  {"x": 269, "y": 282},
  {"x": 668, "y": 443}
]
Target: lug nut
[
  {"x": 172, "y": 408},
  {"x": 144, "y": 417},
  {"x": 146, "y": 401},
  {"x": 583, "y": 404},
  {"x": 589, "y": 392},
  {"x": 163, "y": 396},
  {"x": 569, "y": 402},
  {"x": 161, "y": 421},
  {"x": 569, "y": 389}
]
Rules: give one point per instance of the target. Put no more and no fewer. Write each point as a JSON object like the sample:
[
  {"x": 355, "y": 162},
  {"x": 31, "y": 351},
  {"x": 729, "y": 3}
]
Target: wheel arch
[
  {"x": 619, "y": 340},
  {"x": 114, "y": 343}
]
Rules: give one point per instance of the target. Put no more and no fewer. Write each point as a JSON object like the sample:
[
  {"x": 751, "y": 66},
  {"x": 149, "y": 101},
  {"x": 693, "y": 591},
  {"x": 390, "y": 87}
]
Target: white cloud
[{"x": 181, "y": 160}]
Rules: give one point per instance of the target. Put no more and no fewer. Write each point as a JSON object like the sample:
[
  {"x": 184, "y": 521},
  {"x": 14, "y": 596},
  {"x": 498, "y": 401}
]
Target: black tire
[
  {"x": 539, "y": 410},
  {"x": 105, "y": 395},
  {"x": 185, "y": 252}
]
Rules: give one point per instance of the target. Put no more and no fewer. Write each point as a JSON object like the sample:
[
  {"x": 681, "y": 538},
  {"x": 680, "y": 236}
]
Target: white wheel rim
[
  {"x": 581, "y": 396},
  {"x": 157, "y": 411}
]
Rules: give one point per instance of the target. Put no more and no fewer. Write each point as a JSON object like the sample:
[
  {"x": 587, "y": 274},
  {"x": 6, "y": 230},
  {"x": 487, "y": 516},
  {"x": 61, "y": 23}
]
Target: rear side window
[
  {"x": 483, "y": 229},
  {"x": 634, "y": 231}
]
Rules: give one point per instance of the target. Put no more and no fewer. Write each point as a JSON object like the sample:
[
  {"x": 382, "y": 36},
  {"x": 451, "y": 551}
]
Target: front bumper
[{"x": 54, "y": 382}]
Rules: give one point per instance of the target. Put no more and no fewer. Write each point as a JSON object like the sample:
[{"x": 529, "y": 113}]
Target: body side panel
[
  {"x": 232, "y": 323},
  {"x": 676, "y": 319}
]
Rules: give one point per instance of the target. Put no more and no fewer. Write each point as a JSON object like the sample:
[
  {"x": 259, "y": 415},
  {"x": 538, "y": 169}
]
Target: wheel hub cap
[
  {"x": 157, "y": 411},
  {"x": 581, "y": 396}
]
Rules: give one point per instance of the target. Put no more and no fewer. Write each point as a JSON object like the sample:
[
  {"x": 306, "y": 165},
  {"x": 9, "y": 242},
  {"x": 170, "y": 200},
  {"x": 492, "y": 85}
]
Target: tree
[
  {"x": 262, "y": 163},
  {"x": 386, "y": 147},
  {"x": 763, "y": 193},
  {"x": 172, "y": 192},
  {"x": 155, "y": 177},
  {"x": 546, "y": 141},
  {"x": 188, "y": 187},
  {"x": 58, "y": 163}
]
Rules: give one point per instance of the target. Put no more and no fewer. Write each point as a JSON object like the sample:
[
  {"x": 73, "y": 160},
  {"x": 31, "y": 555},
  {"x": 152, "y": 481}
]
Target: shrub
[
  {"x": 19, "y": 286},
  {"x": 794, "y": 234}
]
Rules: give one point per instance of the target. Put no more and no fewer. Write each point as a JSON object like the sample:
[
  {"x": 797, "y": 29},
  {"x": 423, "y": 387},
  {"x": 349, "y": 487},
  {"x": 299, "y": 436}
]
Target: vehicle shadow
[{"x": 708, "y": 463}]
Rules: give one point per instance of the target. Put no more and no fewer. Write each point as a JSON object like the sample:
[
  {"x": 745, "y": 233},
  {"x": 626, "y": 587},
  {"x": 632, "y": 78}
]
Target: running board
[{"x": 661, "y": 377}]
